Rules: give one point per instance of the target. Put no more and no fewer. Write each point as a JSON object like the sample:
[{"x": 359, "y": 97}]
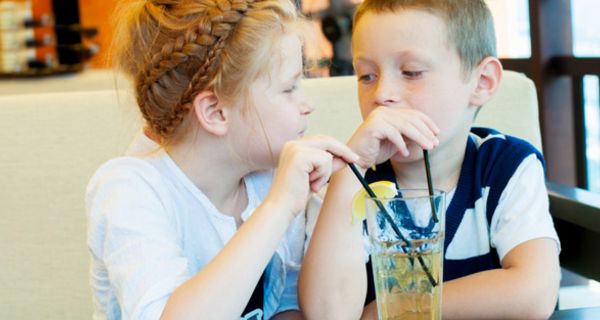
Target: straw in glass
[
  {"x": 430, "y": 185},
  {"x": 388, "y": 217}
]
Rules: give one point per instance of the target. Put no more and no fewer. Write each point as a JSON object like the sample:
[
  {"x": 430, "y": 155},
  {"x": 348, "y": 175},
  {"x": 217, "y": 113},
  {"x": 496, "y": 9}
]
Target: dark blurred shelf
[{"x": 43, "y": 72}]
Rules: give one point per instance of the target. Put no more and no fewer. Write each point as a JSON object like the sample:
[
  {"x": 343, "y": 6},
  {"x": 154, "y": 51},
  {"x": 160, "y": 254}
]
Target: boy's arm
[
  {"x": 522, "y": 232},
  {"x": 332, "y": 281},
  {"x": 525, "y": 288}
]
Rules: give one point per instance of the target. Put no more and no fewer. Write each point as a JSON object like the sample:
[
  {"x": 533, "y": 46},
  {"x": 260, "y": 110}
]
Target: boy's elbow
[
  {"x": 543, "y": 301},
  {"x": 334, "y": 305},
  {"x": 330, "y": 308},
  {"x": 540, "y": 311}
]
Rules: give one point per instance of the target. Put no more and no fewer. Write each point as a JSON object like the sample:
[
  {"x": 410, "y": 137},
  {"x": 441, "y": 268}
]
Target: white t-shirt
[
  {"x": 150, "y": 229},
  {"x": 525, "y": 192}
]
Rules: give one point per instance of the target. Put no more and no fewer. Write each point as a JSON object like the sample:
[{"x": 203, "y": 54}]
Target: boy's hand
[
  {"x": 305, "y": 165},
  {"x": 387, "y": 131}
]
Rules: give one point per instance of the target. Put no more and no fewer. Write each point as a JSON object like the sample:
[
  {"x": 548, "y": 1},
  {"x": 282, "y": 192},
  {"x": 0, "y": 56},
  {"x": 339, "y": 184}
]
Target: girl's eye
[
  {"x": 291, "y": 89},
  {"x": 366, "y": 77},
  {"x": 412, "y": 74}
]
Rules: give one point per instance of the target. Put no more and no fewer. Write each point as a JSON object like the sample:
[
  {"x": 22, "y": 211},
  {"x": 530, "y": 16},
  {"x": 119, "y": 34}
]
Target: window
[
  {"x": 511, "y": 21},
  {"x": 586, "y": 43}
]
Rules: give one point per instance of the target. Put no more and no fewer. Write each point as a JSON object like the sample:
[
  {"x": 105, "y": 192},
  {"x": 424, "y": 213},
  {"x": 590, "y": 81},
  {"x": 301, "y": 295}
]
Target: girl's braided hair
[{"x": 174, "y": 49}]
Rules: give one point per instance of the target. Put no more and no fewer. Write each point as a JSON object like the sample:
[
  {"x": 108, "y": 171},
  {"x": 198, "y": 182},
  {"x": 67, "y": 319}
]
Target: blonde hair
[
  {"x": 174, "y": 49},
  {"x": 469, "y": 22}
]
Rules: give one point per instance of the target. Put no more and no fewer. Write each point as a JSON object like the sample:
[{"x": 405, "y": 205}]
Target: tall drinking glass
[{"x": 407, "y": 238}]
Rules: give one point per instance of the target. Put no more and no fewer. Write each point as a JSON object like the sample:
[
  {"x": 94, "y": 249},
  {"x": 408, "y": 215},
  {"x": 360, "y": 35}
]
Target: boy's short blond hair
[{"x": 469, "y": 22}]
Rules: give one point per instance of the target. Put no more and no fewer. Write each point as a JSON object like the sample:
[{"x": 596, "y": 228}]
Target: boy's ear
[
  {"x": 489, "y": 75},
  {"x": 210, "y": 114}
]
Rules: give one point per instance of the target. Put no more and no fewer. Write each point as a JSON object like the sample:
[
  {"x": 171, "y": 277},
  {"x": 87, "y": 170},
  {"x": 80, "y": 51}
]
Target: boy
[{"x": 424, "y": 68}]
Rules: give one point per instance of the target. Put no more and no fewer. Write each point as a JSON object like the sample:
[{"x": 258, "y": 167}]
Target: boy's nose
[{"x": 386, "y": 94}]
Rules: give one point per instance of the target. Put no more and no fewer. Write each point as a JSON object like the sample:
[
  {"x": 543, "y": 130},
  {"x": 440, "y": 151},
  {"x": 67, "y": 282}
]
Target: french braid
[
  {"x": 174, "y": 49},
  {"x": 204, "y": 43}
]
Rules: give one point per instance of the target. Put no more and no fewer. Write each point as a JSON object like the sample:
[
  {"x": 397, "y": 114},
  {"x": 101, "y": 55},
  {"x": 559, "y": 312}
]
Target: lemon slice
[{"x": 382, "y": 189}]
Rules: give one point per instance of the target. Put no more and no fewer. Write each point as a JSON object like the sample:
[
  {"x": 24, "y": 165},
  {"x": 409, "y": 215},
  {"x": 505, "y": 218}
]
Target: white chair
[{"x": 51, "y": 144}]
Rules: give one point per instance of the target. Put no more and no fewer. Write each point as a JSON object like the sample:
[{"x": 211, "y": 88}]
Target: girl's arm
[{"x": 222, "y": 289}]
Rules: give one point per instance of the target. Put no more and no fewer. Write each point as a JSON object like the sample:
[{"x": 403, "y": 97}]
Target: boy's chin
[{"x": 415, "y": 154}]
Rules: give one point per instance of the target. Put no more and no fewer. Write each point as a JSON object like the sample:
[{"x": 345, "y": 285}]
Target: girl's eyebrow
[{"x": 295, "y": 77}]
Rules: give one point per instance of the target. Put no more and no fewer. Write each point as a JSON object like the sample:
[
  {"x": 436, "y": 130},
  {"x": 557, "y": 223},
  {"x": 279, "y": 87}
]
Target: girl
[{"x": 202, "y": 228}]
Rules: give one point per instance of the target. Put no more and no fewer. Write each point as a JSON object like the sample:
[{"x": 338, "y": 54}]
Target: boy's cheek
[{"x": 365, "y": 109}]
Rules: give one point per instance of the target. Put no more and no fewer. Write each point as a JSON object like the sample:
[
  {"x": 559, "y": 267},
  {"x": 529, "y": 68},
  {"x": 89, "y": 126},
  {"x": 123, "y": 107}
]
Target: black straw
[
  {"x": 430, "y": 185},
  {"x": 387, "y": 216}
]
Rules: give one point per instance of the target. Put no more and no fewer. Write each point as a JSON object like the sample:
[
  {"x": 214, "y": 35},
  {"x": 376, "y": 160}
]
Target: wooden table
[{"x": 577, "y": 314}]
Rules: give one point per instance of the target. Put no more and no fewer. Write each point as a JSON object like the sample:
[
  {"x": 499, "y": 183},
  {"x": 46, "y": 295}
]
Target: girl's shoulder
[
  {"x": 129, "y": 175},
  {"x": 133, "y": 168}
]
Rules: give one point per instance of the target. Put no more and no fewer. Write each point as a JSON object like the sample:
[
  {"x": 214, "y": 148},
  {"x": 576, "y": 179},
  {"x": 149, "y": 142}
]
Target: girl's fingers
[
  {"x": 337, "y": 164},
  {"x": 334, "y": 147},
  {"x": 322, "y": 164},
  {"x": 316, "y": 185}
]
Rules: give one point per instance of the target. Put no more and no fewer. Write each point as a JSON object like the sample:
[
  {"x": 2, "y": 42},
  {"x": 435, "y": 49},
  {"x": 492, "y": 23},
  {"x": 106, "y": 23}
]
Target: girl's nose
[{"x": 306, "y": 107}]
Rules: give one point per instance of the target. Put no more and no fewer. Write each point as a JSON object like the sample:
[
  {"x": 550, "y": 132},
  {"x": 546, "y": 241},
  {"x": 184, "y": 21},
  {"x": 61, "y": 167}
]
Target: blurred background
[{"x": 556, "y": 43}]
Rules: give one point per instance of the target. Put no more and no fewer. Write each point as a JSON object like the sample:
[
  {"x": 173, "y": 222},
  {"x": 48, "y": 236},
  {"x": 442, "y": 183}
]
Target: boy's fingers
[
  {"x": 425, "y": 129},
  {"x": 416, "y": 131},
  {"x": 395, "y": 137},
  {"x": 432, "y": 126}
]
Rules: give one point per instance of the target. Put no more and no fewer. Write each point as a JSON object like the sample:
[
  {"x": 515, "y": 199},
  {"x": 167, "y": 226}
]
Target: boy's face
[{"x": 404, "y": 60}]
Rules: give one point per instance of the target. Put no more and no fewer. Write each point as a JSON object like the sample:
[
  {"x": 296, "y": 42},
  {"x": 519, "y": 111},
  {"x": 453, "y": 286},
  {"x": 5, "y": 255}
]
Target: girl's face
[{"x": 279, "y": 107}]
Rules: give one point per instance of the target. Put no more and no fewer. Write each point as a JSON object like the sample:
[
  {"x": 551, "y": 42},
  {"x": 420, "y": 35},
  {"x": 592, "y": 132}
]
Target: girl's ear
[
  {"x": 489, "y": 75},
  {"x": 210, "y": 114}
]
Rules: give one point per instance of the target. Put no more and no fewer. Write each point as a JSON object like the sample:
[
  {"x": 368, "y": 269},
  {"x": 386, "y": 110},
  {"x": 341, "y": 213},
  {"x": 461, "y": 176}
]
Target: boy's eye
[
  {"x": 366, "y": 77},
  {"x": 412, "y": 74}
]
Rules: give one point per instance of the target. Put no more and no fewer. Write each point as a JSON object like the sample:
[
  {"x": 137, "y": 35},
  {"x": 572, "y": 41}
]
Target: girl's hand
[
  {"x": 386, "y": 131},
  {"x": 305, "y": 165}
]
